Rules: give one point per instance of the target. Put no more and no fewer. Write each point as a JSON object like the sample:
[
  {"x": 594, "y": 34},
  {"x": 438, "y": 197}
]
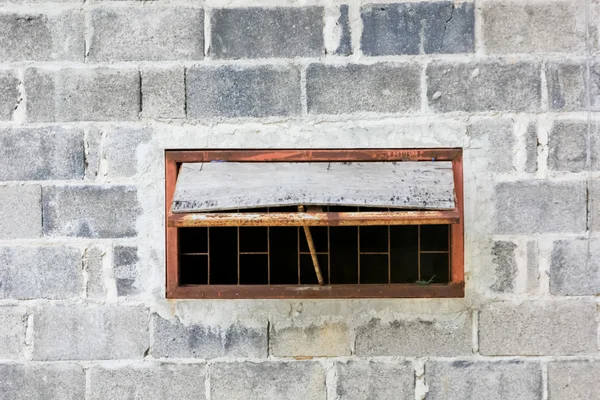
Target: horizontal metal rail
[{"x": 315, "y": 218}]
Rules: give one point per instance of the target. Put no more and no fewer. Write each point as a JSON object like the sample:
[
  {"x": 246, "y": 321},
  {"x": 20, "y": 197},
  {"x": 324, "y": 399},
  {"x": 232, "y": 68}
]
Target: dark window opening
[{"x": 347, "y": 254}]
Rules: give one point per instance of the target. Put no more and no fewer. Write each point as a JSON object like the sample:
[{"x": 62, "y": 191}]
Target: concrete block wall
[{"x": 94, "y": 91}]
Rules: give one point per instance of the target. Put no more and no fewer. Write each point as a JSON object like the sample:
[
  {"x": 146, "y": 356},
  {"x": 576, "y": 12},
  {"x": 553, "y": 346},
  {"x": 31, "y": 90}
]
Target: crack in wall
[
  {"x": 141, "y": 97},
  {"x": 447, "y": 22},
  {"x": 19, "y": 113}
]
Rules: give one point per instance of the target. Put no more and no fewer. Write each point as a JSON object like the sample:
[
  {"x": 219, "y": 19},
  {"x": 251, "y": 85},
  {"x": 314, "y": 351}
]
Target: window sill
[{"x": 452, "y": 290}]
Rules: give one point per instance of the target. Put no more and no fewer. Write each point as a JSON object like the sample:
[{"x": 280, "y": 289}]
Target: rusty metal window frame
[{"x": 455, "y": 218}]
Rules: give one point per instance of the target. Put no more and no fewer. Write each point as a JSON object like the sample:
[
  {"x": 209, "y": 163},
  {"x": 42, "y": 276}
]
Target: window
[{"x": 314, "y": 223}]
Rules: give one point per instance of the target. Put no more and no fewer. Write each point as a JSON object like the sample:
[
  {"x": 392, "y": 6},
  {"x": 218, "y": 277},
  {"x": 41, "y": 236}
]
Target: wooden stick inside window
[{"x": 313, "y": 251}]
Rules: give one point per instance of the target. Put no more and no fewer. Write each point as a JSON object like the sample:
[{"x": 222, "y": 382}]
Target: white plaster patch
[
  {"x": 520, "y": 149},
  {"x": 421, "y": 387},
  {"x": 332, "y": 32}
]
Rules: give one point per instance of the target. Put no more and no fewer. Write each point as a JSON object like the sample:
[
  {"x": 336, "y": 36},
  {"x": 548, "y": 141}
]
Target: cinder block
[
  {"x": 517, "y": 27},
  {"x": 277, "y": 32},
  {"x": 505, "y": 263},
  {"x": 472, "y": 380},
  {"x": 446, "y": 337},
  {"x": 121, "y": 150},
  {"x": 364, "y": 380},
  {"x": 173, "y": 339},
  {"x": 100, "y": 332},
  {"x": 163, "y": 92},
  {"x": 10, "y": 93},
  {"x": 594, "y": 204},
  {"x": 48, "y": 272},
  {"x": 44, "y": 153},
  {"x": 93, "y": 265},
  {"x": 299, "y": 380},
  {"x": 92, "y": 138},
  {"x": 42, "y": 36},
  {"x": 575, "y": 267},
  {"x": 567, "y": 85},
  {"x": 381, "y": 87},
  {"x": 323, "y": 340},
  {"x": 540, "y": 206},
  {"x": 146, "y": 33},
  {"x": 573, "y": 380},
  {"x": 21, "y": 212},
  {"x": 125, "y": 270},
  {"x": 13, "y": 322},
  {"x": 82, "y": 94},
  {"x": 551, "y": 327},
  {"x": 484, "y": 86},
  {"x": 239, "y": 91},
  {"x": 531, "y": 147},
  {"x": 533, "y": 265},
  {"x": 344, "y": 47},
  {"x": 149, "y": 381},
  {"x": 42, "y": 381},
  {"x": 90, "y": 211},
  {"x": 567, "y": 146},
  {"x": 594, "y": 82},
  {"x": 494, "y": 139},
  {"x": 413, "y": 28}
]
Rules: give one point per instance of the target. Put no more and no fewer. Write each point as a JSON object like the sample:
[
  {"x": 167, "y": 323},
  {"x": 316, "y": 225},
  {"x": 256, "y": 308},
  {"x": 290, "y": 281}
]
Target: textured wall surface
[{"x": 92, "y": 92}]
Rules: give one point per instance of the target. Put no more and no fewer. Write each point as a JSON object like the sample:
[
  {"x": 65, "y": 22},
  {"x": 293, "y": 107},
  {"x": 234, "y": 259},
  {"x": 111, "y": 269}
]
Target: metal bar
[
  {"x": 254, "y": 252},
  {"x": 358, "y": 238},
  {"x": 328, "y": 253},
  {"x": 239, "y": 274},
  {"x": 313, "y": 251},
  {"x": 434, "y": 251},
  {"x": 193, "y": 254},
  {"x": 419, "y": 252},
  {"x": 316, "y": 292},
  {"x": 315, "y": 219},
  {"x": 449, "y": 254},
  {"x": 298, "y": 237},
  {"x": 389, "y": 238}
]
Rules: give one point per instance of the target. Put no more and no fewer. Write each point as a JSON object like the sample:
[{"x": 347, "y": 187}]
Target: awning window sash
[{"x": 417, "y": 192}]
